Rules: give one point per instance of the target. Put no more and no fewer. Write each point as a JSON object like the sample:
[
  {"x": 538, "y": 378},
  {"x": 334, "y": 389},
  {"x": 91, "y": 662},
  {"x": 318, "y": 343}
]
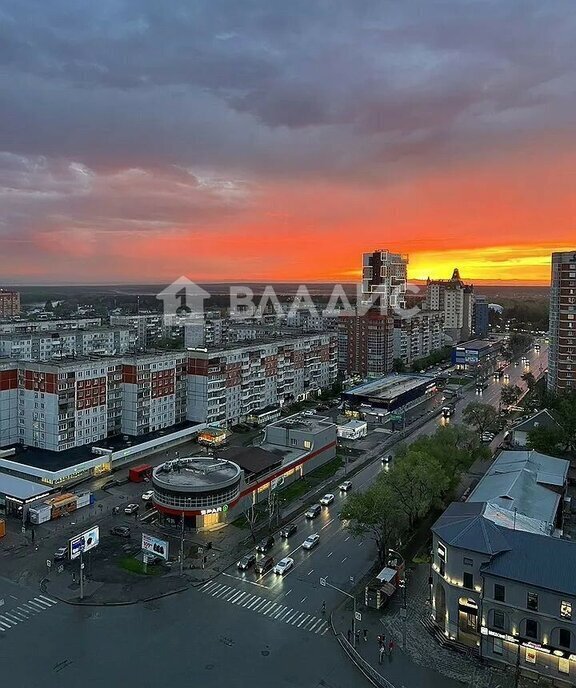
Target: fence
[{"x": 367, "y": 669}]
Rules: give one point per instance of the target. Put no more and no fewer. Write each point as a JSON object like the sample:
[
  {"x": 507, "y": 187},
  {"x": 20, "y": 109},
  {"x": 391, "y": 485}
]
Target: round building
[{"x": 201, "y": 489}]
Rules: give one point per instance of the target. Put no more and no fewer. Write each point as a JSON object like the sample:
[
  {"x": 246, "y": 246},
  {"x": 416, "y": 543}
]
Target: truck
[{"x": 140, "y": 474}]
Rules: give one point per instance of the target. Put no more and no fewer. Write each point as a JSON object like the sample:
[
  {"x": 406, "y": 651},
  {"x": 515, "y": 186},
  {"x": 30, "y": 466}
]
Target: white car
[
  {"x": 311, "y": 541},
  {"x": 131, "y": 509},
  {"x": 327, "y": 499},
  {"x": 147, "y": 496},
  {"x": 346, "y": 485},
  {"x": 283, "y": 566},
  {"x": 487, "y": 437}
]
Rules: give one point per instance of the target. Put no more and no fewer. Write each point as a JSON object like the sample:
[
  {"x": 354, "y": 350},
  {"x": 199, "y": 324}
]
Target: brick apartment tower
[
  {"x": 562, "y": 351},
  {"x": 9, "y": 303}
]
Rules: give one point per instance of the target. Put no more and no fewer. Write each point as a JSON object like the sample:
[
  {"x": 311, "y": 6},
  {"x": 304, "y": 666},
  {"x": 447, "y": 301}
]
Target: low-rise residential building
[
  {"x": 519, "y": 432},
  {"x": 475, "y": 353},
  {"x": 42, "y": 346},
  {"x": 227, "y": 385},
  {"x": 502, "y": 576}
]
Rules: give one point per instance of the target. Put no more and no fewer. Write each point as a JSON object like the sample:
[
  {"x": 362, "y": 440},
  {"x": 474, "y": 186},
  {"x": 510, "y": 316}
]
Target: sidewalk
[{"x": 423, "y": 663}]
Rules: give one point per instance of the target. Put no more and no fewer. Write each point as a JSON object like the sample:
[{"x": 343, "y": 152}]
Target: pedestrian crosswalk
[
  {"x": 9, "y": 618},
  {"x": 266, "y": 607}
]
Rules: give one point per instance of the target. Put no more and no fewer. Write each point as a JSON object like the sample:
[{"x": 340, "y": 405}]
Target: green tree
[
  {"x": 548, "y": 440},
  {"x": 530, "y": 380},
  {"x": 483, "y": 417},
  {"x": 510, "y": 395},
  {"x": 419, "y": 481},
  {"x": 398, "y": 365},
  {"x": 375, "y": 513}
]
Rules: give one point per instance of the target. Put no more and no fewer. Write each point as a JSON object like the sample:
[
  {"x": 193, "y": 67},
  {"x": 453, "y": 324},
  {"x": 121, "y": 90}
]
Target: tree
[
  {"x": 251, "y": 516},
  {"x": 530, "y": 380},
  {"x": 376, "y": 513},
  {"x": 419, "y": 481},
  {"x": 510, "y": 395},
  {"x": 483, "y": 417},
  {"x": 548, "y": 440},
  {"x": 398, "y": 365}
]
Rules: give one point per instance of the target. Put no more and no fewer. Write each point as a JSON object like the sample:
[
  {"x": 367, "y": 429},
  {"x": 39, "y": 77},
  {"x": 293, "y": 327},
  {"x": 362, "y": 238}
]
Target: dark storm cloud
[{"x": 259, "y": 90}]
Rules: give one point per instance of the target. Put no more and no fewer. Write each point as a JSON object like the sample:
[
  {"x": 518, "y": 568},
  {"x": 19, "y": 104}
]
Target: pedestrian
[
  {"x": 381, "y": 654},
  {"x": 357, "y": 637},
  {"x": 380, "y": 642},
  {"x": 365, "y": 635},
  {"x": 390, "y": 647},
  {"x": 323, "y": 607},
  {"x": 349, "y": 635}
]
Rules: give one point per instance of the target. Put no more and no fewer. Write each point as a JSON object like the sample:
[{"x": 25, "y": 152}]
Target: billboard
[
  {"x": 84, "y": 542},
  {"x": 153, "y": 545}
]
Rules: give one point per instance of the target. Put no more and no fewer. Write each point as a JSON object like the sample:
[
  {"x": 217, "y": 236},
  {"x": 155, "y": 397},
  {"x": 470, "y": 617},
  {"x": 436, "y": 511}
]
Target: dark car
[
  {"x": 246, "y": 562},
  {"x": 288, "y": 530},
  {"x": 61, "y": 554},
  {"x": 122, "y": 531},
  {"x": 266, "y": 544},
  {"x": 264, "y": 565},
  {"x": 313, "y": 511}
]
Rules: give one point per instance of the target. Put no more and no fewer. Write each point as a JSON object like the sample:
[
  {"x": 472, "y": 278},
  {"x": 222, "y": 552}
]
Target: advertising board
[
  {"x": 155, "y": 546},
  {"x": 84, "y": 542}
]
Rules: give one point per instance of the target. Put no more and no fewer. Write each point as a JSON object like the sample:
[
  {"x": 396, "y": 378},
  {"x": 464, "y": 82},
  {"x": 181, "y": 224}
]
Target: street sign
[
  {"x": 82, "y": 565},
  {"x": 358, "y": 616},
  {"x": 352, "y": 579},
  {"x": 323, "y": 582},
  {"x": 48, "y": 563},
  {"x": 61, "y": 568}
]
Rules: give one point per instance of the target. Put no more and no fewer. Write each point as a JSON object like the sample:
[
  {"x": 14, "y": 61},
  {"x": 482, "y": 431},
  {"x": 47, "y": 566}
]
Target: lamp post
[
  {"x": 402, "y": 584},
  {"x": 324, "y": 583}
]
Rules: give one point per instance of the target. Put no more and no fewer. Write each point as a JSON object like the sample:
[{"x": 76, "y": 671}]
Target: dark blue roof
[{"x": 463, "y": 525}]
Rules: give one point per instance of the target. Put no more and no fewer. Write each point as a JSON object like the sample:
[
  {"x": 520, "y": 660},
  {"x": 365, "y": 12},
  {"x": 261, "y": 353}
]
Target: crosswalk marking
[
  {"x": 262, "y": 605},
  {"x": 9, "y": 619}
]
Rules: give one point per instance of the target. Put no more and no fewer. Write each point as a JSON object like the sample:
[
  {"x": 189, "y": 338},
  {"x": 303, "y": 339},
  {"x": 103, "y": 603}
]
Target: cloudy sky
[{"x": 261, "y": 139}]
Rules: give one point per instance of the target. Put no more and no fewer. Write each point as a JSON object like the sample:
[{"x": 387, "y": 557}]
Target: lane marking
[
  {"x": 292, "y": 615},
  {"x": 247, "y": 600},
  {"x": 240, "y": 597},
  {"x": 331, "y": 553},
  {"x": 207, "y": 586},
  {"x": 283, "y": 617},
  {"x": 235, "y": 596},
  {"x": 245, "y": 580},
  {"x": 43, "y": 604},
  {"x": 258, "y": 607},
  {"x": 297, "y": 619},
  {"x": 318, "y": 621},
  {"x": 311, "y": 572},
  {"x": 346, "y": 540},
  {"x": 304, "y": 620},
  {"x": 39, "y": 607},
  {"x": 327, "y": 524},
  {"x": 343, "y": 560},
  {"x": 303, "y": 599},
  {"x": 34, "y": 611},
  {"x": 270, "y": 609},
  {"x": 256, "y": 600},
  {"x": 282, "y": 610},
  {"x": 289, "y": 591},
  {"x": 48, "y": 599},
  {"x": 321, "y": 627},
  {"x": 265, "y": 608}
]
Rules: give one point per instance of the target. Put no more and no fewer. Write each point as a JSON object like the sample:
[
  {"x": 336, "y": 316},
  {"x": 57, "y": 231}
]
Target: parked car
[
  {"x": 346, "y": 486},
  {"x": 309, "y": 413},
  {"x": 122, "y": 531},
  {"x": 283, "y": 566},
  {"x": 487, "y": 437},
  {"x": 313, "y": 511},
  {"x": 264, "y": 565},
  {"x": 61, "y": 553},
  {"x": 147, "y": 496},
  {"x": 266, "y": 544},
  {"x": 246, "y": 562},
  {"x": 327, "y": 499},
  {"x": 288, "y": 530},
  {"x": 311, "y": 541},
  {"x": 131, "y": 508}
]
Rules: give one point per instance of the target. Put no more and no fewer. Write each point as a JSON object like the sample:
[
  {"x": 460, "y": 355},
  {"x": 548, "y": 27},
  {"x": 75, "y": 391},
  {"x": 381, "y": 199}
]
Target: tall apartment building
[
  {"x": 418, "y": 335},
  {"x": 384, "y": 274},
  {"x": 58, "y": 405},
  {"x": 42, "y": 346},
  {"x": 9, "y": 303},
  {"x": 209, "y": 330},
  {"x": 148, "y": 328},
  {"x": 51, "y": 325},
  {"x": 456, "y": 300},
  {"x": 227, "y": 384},
  {"x": 562, "y": 350},
  {"x": 481, "y": 316},
  {"x": 366, "y": 344}
]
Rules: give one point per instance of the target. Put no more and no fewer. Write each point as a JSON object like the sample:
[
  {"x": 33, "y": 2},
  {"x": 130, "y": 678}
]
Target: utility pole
[
  {"x": 81, "y": 575},
  {"x": 182, "y": 545},
  {"x": 402, "y": 584},
  {"x": 324, "y": 583}
]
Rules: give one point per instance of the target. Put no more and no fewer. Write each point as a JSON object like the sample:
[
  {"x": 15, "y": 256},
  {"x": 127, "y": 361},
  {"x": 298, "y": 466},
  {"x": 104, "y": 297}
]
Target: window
[
  {"x": 468, "y": 562},
  {"x": 566, "y": 609},
  {"x": 498, "y": 619},
  {"x": 564, "y": 637},
  {"x": 468, "y": 581},
  {"x": 532, "y": 601},
  {"x": 441, "y": 552},
  {"x": 531, "y": 628},
  {"x": 499, "y": 593},
  {"x": 497, "y": 646}
]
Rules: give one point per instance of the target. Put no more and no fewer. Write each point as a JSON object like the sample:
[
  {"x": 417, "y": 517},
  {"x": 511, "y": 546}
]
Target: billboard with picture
[
  {"x": 84, "y": 542},
  {"x": 155, "y": 546}
]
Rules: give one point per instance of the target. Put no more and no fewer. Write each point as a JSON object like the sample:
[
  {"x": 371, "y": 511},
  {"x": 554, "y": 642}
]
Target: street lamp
[
  {"x": 402, "y": 584},
  {"x": 324, "y": 583}
]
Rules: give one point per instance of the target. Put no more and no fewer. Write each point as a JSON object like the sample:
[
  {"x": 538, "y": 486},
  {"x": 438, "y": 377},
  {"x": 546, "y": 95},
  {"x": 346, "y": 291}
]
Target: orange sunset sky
[{"x": 279, "y": 143}]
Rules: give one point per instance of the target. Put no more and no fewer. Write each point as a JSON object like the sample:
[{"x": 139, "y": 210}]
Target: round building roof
[{"x": 196, "y": 474}]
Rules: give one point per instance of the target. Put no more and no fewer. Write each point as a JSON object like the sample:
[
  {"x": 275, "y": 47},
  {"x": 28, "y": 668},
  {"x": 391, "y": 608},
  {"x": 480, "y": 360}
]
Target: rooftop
[
  {"x": 19, "y": 488},
  {"x": 311, "y": 424},
  {"x": 476, "y": 344},
  {"x": 251, "y": 459},
  {"x": 252, "y": 344},
  {"x": 463, "y": 525},
  {"x": 525, "y": 482},
  {"x": 195, "y": 472},
  {"x": 390, "y": 386},
  {"x": 542, "y": 419}
]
